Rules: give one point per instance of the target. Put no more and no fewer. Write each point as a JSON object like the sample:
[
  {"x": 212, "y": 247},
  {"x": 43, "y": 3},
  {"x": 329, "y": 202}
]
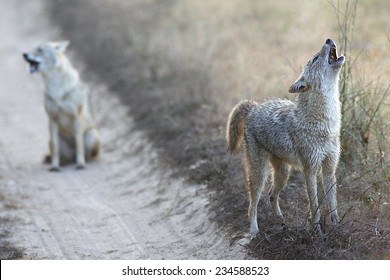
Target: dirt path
[{"x": 124, "y": 206}]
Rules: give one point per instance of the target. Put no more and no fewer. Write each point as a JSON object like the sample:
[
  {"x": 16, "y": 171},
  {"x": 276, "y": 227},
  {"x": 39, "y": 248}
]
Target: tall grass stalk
[{"x": 365, "y": 124}]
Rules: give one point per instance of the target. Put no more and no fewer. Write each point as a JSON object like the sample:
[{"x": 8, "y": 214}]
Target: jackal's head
[
  {"x": 322, "y": 71},
  {"x": 46, "y": 57}
]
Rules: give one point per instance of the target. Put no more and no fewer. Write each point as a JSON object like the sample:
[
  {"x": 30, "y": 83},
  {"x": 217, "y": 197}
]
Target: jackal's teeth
[{"x": 332, "y": 54}]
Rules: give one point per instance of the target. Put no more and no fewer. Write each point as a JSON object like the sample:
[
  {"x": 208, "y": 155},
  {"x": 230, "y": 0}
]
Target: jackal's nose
[{"x": 329, "y": 42}]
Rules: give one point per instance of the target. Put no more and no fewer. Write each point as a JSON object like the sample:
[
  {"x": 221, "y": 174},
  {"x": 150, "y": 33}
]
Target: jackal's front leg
[
  {"x": 311, "y": 185},
  {"x": 54, "y": 146},
  {"x": 329, "y": 170},
  {"x": 79, "y": 139}
]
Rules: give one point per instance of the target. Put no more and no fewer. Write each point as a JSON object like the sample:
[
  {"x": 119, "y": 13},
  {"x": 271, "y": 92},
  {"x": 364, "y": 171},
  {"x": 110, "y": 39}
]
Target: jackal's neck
[
  {"x": 321, "y": 107},
  {"x": 61, "y": 78}
]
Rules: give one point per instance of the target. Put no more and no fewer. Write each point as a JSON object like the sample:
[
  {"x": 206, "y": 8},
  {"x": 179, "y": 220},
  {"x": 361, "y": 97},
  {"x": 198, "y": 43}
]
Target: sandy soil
[{"x": 124, "y": 206}]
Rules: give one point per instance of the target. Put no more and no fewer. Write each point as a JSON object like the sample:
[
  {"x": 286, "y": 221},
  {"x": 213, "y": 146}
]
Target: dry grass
[
  {"x": 254, "y": 49},
  {"x": 182, "y": 65}
]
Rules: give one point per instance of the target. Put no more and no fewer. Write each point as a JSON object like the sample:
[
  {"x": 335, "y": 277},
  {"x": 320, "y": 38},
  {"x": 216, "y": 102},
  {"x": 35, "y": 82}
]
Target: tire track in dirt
[{"x": 124, "y": 206}]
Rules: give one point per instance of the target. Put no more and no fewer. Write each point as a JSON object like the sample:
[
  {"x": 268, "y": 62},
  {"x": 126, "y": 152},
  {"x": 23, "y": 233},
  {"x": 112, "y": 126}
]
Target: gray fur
[{"x": 282, "y": 134}]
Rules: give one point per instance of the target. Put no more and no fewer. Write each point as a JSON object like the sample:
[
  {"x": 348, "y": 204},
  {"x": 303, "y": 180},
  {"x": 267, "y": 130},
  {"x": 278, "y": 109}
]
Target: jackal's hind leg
[
  {"x": 91, "y": 144},
  {"x": 257, "y": 171},
  {"x": 280, "y": 178}
]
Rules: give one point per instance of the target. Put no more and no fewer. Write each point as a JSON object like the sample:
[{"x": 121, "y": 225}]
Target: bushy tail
[{"x": 236, "y": 123}]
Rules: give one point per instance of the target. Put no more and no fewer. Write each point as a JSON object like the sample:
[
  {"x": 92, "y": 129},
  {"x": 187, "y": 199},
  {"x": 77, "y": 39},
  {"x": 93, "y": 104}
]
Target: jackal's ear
[
  {"x": 61, "y": 45},
  {"x": 299, "y": 86}
]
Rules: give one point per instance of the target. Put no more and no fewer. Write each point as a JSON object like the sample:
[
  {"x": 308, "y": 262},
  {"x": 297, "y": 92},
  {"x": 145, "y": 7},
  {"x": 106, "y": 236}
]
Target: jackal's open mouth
[
  {"x": 333, "y": 59},
  {"x": 332, "y": 54},
  {"x": 34, "y": 65}
]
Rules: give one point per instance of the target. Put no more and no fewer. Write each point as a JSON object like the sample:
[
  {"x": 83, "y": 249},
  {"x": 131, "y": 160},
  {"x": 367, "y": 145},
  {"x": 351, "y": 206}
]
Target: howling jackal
[
  {"x": 73, "y": 134},
  {"x": 284, "y": 134}
]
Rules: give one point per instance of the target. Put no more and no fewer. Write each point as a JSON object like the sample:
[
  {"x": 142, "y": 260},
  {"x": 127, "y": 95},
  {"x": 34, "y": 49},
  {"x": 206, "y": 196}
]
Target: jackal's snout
[
  {"x": 34, "y": 63},
  {"x": 333, "y": 59}
]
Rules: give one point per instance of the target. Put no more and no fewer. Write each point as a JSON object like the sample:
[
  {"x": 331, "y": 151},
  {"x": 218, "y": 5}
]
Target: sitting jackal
[{"x": 73, "y": 132}]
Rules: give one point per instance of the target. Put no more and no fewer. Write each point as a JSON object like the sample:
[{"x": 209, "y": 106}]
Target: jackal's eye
[
  {"x": 315, "y": 59},
  {"x": 39, "y": 50}
]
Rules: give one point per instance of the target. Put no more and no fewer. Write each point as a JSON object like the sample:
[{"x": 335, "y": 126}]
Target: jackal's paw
[
  {"x": 317, "y": 230},
  {"x": 335, "y": 218},
  {"x": 254, "y": 231},
  {"x": 54, "y": 169},
  {"x": 80, "y": 166}
]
